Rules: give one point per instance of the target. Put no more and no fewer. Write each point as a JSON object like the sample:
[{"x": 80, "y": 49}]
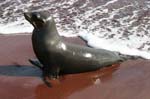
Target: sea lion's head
[{"x": 37, "y": 19}]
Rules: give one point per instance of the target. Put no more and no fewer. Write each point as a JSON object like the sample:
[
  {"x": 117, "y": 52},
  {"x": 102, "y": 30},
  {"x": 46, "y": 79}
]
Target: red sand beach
[{"x": 20, "y": 80}]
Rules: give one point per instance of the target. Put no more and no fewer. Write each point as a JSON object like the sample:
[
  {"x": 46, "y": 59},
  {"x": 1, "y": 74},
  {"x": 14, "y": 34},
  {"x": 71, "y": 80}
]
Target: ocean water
[{"x": 116, "y": 25}]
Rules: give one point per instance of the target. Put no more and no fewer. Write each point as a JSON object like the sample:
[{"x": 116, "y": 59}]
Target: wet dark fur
[{"x": 57, "y": 57}]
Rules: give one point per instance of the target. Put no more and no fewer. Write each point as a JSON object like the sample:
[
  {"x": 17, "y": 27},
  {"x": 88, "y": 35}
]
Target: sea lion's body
[
  {"x": 71, "y": 58},
  {"x": 59, "y": 57}
]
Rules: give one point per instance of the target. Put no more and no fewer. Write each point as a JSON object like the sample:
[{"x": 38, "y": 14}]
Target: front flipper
[
  {"x": 50, "y": 74},
  {"x": 36, "y": 63},
  {"x": 45, "y": 79}
]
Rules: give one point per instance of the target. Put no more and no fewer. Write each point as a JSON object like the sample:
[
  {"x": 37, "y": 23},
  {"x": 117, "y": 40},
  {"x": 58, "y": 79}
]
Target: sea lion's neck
[
  {"x": 48, "y": 33},
  {"x": 51, "y": 31}
]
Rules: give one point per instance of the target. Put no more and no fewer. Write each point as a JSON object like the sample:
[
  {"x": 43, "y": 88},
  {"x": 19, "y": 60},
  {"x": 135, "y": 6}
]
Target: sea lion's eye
[{"x": 38, "y": 16}]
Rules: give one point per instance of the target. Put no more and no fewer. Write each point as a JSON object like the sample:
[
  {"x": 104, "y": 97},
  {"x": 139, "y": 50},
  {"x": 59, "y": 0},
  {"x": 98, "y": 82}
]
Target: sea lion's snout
[{"x": 27, "y": 16}]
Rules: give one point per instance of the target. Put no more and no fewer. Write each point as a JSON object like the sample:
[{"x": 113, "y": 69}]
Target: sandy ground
[{"x": 20, "y": 80}]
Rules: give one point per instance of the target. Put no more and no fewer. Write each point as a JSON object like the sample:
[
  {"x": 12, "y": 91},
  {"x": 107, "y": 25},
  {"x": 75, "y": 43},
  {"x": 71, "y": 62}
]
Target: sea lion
[{"x": 57, "y": 57}]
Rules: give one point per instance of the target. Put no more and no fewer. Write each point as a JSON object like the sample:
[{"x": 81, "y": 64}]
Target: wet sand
[{"x": 20, "y": 80}]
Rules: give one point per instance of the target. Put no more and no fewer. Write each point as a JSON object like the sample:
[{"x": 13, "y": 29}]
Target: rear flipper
[
  {"x": 36, "y": 63},
  {"x": 129, "y": 57}
]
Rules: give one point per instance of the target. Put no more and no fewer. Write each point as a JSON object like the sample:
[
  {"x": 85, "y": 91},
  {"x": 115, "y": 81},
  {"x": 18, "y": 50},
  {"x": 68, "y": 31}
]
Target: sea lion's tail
[
  {"x": 129, "y": 57},
  {"x": 36, "y": 63}
]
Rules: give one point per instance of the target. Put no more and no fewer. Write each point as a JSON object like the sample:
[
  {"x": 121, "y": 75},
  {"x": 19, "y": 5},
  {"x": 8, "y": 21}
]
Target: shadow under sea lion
[
  {"x": 57, "y": 57},
  {"x": 20, "y": 71}
]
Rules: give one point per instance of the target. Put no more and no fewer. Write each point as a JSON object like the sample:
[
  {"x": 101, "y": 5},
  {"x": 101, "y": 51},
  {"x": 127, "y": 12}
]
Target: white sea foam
[
  {"x": 116, "y": 25},
  {"x": 15, "y": 27},
  {"x": 112, "y": 45}
]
